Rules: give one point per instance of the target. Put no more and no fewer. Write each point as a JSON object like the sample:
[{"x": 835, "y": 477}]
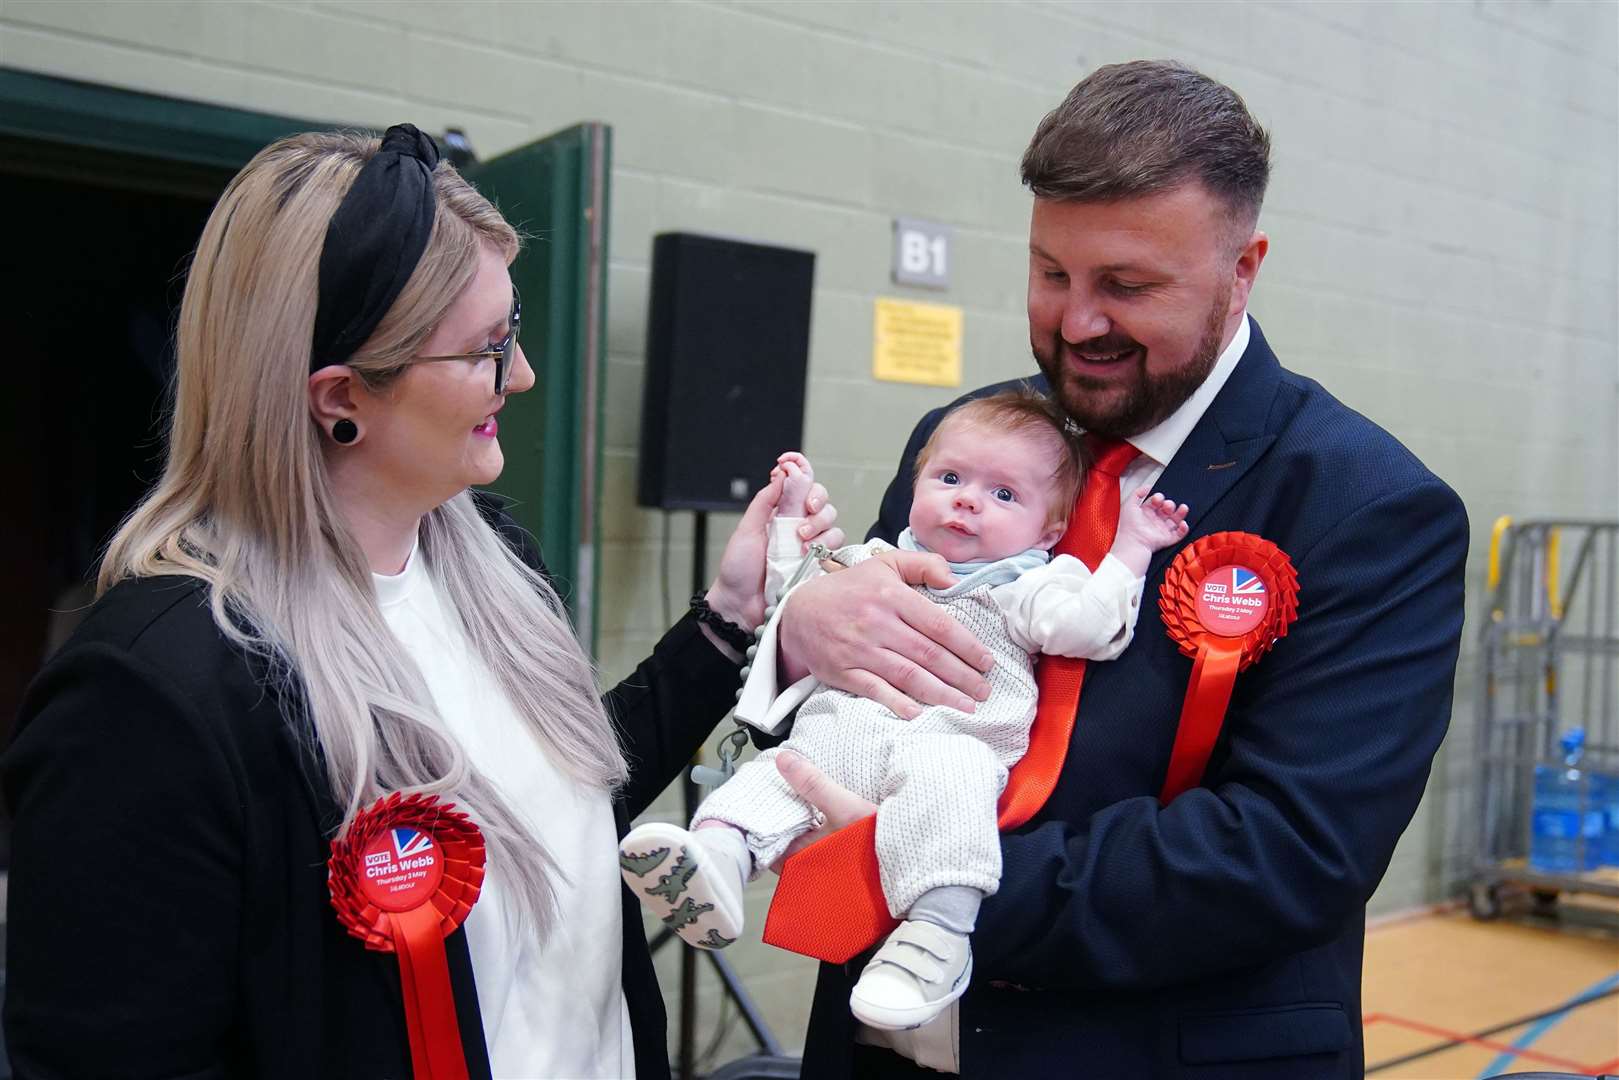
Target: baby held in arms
[{"x": 994, "y": 488}]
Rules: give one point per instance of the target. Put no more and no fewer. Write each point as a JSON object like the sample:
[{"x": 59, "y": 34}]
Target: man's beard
[{"x": 1146, "y": 401}]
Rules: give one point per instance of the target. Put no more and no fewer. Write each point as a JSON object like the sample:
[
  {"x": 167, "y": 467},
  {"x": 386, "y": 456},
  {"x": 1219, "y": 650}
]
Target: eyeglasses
[{"x": 501, "y": 352}]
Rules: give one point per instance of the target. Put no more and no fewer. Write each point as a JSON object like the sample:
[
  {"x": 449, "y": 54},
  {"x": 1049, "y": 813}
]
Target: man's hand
[
  {"x": 837, "y": 804},
  {"x": 868, "y": 632}
]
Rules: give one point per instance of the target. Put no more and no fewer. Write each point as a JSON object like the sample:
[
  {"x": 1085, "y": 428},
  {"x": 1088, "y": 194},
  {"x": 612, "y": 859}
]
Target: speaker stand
[{"x": 730, "y": 982}]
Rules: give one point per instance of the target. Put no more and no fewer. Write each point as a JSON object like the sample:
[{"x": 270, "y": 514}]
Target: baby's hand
[
  {"x": 798, "y": 478},
  {"x": 1146, "y": 525},
  {"x": 1156, "y": 522}
]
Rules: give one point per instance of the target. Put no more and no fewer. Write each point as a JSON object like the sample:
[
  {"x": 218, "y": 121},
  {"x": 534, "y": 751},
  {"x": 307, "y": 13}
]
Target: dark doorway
[{"x": 100, "y": 243}]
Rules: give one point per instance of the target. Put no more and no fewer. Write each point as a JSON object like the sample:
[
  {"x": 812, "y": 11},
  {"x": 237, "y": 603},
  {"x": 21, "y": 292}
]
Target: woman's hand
[
  {"x": 866, "y": 631},
  {"x": 738, "y": 592},
  {"x": 837, "y": 804}
]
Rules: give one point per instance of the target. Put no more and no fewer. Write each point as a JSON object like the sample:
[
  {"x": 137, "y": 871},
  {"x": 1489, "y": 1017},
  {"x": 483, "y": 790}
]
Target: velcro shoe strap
[{"x": 919, "y": 948}]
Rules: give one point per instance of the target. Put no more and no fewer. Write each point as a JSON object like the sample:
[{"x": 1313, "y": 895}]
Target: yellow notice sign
[{"x": 917, "y": 343}]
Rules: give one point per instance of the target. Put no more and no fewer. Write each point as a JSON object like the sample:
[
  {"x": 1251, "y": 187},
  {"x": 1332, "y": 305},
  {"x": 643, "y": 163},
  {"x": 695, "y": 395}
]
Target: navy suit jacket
[{"x": 1221, "y": 936}]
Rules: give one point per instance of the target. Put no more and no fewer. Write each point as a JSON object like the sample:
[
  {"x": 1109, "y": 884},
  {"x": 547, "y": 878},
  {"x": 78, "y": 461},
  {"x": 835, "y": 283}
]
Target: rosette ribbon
[
  {"x": 402, "y": 878},
  {"x": 1225, "y": 601}
]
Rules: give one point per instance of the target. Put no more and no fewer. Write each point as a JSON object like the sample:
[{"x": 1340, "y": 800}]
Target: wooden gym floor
[{"x": 1449, "y": 998}]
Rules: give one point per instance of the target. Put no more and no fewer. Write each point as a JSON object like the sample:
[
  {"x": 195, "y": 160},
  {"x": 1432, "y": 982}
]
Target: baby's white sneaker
[
  {"x": 695, "y": 888},
  {"x": 919, "y": 971}
]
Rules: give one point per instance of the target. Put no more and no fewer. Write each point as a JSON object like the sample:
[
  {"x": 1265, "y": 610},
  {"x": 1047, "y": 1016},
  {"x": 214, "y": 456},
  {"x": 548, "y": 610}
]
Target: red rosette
[
  {"x": 1181, "y": 595},
  {"x": 1225, "y": 601},
  {"x": 404, "y": 875},
  {"x": 462, "y": 864}
]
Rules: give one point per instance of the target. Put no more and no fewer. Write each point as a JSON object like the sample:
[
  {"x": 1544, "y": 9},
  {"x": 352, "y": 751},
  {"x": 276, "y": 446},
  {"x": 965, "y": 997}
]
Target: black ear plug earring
[{"x": 345, "y": 431}]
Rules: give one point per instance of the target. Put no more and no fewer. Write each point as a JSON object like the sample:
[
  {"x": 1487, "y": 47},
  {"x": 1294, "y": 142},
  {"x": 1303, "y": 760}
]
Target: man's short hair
[
  {"x": 1018, "y": 411},
  {"x": 1145, "y": 127}
]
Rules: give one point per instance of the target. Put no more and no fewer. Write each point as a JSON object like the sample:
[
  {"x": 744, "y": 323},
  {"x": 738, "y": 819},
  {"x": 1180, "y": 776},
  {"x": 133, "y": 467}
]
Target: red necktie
[{"x": 829, "y": 903}]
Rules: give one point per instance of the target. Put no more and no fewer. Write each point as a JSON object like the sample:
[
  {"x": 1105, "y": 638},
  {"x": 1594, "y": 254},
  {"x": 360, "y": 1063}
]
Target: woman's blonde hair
[{"x": 245, "y": 504}]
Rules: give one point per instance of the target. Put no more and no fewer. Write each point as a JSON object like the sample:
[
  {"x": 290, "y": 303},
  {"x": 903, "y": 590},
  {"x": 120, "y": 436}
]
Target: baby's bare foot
[{"x": 799, "y": 479}]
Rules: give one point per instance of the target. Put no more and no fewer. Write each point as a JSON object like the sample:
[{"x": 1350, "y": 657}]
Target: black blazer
[
  {"x": 168, "y": 906},
  {"x": 1221, "y": 937}
]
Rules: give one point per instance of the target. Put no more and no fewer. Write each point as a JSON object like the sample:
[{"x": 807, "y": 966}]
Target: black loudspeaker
[{"x": 727, "y": 342}]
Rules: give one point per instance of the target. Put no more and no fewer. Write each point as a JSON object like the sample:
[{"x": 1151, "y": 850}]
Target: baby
[{"x": 994, "y": 487}]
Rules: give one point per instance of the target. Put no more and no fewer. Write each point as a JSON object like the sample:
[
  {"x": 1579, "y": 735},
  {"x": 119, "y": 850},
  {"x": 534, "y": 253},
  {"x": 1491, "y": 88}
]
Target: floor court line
[
  {"x": 1546, "y": 1023},
  {"x": 1464, "y": 979},
  {"x": 1495, "y": 1029},
  {"x": 1458, "y": 1038}
]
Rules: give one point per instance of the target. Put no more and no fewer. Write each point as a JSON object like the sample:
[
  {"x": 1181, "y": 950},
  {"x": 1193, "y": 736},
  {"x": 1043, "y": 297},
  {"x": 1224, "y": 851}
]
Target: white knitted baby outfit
[{"x": 937, "y": 778}]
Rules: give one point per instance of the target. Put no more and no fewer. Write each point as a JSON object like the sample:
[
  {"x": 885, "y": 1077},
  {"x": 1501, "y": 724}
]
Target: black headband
[{"x": 373, "y": 243}]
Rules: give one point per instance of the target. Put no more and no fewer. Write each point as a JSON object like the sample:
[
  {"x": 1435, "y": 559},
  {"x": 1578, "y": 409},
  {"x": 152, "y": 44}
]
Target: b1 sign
[{"x": 921, "y": 253}]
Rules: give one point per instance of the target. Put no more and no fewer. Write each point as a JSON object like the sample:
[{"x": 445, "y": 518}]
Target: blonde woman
[{"x": 312, "y": 609}]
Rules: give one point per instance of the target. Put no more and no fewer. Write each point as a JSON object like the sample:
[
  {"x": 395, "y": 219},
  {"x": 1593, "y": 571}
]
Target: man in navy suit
[{"x": 1220, "y": 935}]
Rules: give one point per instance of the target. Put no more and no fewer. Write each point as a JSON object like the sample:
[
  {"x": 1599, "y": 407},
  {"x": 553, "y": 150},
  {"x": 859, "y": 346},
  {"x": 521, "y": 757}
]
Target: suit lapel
[{"x": 1228, "y": 440}]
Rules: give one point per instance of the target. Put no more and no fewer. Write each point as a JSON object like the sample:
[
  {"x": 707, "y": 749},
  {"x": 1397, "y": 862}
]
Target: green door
[{"x": 555, "y": 192}]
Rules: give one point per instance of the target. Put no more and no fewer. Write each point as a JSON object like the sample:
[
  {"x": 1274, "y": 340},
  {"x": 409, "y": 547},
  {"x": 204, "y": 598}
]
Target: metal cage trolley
[{"x": 1547, "y": 743}]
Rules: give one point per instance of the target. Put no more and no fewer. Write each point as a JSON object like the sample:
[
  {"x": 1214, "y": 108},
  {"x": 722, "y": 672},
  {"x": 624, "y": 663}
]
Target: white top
[
  {"x": 1059, "y": 608},
  {"x": 552, "y": 1008},
  {"x": 1062, "y": 609}
]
